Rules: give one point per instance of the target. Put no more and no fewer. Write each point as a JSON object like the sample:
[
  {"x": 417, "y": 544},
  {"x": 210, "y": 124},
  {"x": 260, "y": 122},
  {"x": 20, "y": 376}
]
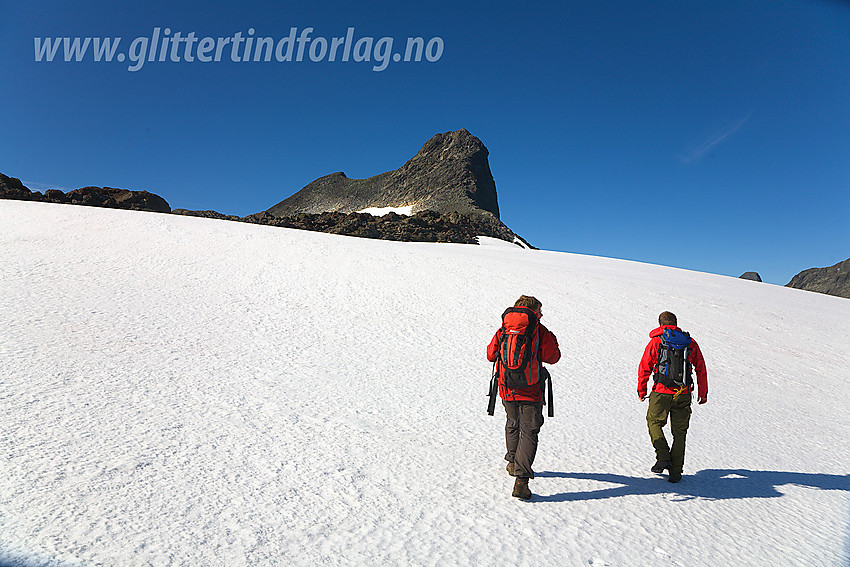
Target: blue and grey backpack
[{"x": 673, "y": 369}]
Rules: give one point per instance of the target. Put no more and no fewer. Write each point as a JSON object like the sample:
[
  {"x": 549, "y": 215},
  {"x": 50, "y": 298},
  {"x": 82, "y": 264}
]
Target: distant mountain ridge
[
  {"x": 447, "y": 185},
  {"x": 832, "y": 280}
]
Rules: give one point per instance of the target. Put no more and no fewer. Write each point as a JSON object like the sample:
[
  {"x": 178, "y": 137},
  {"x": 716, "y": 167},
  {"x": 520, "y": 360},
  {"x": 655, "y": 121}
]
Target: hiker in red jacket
[
  {"x": 671, "y": 391},
  {"x": 521, "y": 345}
]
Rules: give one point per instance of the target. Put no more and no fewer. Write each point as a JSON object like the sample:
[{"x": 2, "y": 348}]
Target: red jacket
[
  {"x": 650, "y": 360},
  {"x": 547, "y": 352}
]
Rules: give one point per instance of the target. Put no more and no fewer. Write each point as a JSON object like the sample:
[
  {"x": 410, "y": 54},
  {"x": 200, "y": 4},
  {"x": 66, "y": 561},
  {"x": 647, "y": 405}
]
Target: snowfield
[
  {"x": 185, "y": 391},
  {"x": 381, "y": 211}
]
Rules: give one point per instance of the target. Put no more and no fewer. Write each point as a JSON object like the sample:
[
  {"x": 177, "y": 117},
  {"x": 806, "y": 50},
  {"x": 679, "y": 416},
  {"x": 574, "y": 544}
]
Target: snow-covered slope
[{"x": 184, "y": 391}]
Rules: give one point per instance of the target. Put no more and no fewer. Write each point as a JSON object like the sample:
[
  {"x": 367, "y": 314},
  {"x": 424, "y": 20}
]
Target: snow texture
[{"x": 186, "y": 391}]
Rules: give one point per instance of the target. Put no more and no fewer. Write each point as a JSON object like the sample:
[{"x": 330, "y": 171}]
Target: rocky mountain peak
[{"x": 451, "y": 173}]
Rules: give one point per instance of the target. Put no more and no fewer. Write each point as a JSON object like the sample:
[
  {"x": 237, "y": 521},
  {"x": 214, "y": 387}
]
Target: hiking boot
[
  {"x": 510, "y": 469},
  {"x": 521, "y": 489},
  {"x": 660, "y": 466},
  {"x": 674, "y": 477}
]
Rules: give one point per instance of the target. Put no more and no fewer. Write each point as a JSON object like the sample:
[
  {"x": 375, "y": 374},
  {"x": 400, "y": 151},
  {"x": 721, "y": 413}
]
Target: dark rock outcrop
[
  {"x": 425, "y": 226},
  {"x": 834, "y": 280},
  {"x": 450, "y": 174},
  {"x": 206, "y": 215},
  {"x": 118, "y": 199},
  {"x": 750, "y": 276},
  {"x": 12, "y": 188}
]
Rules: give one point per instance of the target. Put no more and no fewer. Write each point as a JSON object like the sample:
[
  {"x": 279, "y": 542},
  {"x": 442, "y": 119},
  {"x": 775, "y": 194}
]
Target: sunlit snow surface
[
  {"x": 185, "y": 391},
  {"x": 381, "y": 211}
]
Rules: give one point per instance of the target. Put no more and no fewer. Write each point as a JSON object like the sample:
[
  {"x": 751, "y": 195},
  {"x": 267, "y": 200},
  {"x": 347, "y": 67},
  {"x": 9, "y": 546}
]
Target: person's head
[
  {"x": 529, "y": 301},
  {"x": 667, "y": 318}
]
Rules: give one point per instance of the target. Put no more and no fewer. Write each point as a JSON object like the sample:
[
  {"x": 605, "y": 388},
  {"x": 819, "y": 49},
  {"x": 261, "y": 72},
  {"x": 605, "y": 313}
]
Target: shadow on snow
[{"x": 711, "y": 484}]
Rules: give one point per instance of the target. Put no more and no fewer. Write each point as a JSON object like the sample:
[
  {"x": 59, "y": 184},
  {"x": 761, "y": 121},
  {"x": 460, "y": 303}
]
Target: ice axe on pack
[
  {"x": 547, "y": 399},
  {"x": 494, "y": 390}
]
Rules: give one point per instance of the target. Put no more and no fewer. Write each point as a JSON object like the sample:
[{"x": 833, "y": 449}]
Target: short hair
[
  {"x": 667, "y": 318},
  {"x": 528, "y": 301}
]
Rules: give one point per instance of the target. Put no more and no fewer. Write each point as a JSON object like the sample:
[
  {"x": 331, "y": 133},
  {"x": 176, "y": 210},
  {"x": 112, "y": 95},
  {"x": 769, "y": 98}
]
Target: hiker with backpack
[
  {"x": 670, "y": 358},
  {"x": 518, "y": 349}
]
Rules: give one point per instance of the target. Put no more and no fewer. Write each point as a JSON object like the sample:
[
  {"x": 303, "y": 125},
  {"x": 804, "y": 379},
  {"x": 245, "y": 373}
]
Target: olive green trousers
[{"x": 678, "y": 408}]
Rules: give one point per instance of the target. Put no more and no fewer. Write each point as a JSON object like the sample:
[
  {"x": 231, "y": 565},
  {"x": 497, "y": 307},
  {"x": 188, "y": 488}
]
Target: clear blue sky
[{"x": 713, "y": 136}]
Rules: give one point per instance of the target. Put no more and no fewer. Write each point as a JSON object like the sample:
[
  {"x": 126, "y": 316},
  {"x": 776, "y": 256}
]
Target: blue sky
[{"x": 712, "y": 136}]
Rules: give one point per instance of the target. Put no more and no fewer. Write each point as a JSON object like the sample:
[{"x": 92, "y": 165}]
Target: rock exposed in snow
[{"x": 750, "y": 276}]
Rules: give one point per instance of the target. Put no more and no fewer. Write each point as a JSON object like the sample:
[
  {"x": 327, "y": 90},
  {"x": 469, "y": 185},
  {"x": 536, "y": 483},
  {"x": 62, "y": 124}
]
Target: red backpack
[{"x": 518, "y": 348}]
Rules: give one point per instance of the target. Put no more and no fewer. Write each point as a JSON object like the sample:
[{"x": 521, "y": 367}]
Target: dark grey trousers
[{"x": 523, "y": 423}]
